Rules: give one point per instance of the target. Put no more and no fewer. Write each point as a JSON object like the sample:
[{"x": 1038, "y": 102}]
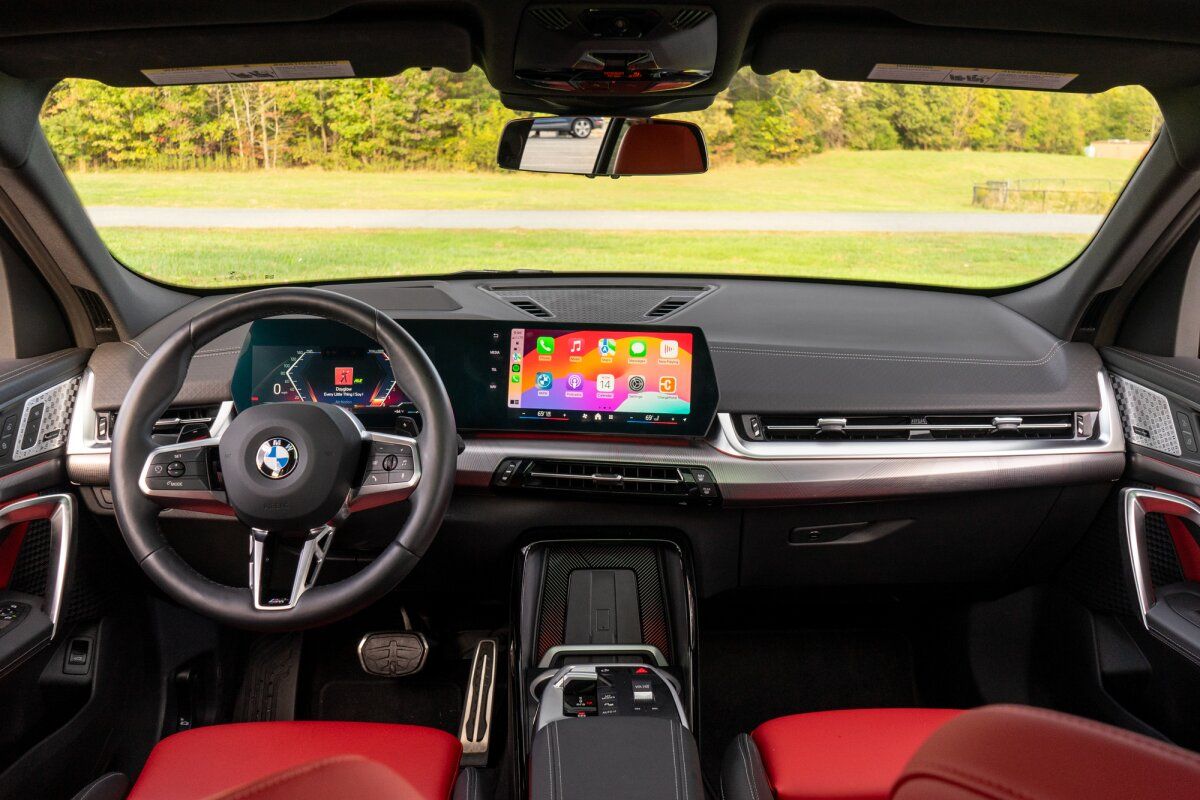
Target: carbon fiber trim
[{"x": 643, "y": 560}]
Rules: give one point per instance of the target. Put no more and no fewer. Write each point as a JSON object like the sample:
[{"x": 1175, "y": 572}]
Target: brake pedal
[
  {"x": 476, "y": 727},
  {"x": 393, "y": 655}
]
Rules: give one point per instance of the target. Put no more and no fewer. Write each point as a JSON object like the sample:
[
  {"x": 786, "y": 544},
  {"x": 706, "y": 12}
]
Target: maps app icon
[{"x": 608, "y": 347}]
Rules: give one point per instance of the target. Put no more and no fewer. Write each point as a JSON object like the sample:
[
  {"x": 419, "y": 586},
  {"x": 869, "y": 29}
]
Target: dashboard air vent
[
  {"x": 668, "y": 306},
  {"x": 652, "y": 481},
  {"x": 102, "y": 321},
  {"x": 788, "y": 428},
  {"x": 689, "y": 18},
  {"x": 551, "y": 17},
  {"x": 185, "y": 423},
  {"x": 530, "y": 306}
]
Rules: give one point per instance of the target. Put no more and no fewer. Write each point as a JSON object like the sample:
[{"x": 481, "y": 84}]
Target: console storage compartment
[{"x": 630, "y": 757}]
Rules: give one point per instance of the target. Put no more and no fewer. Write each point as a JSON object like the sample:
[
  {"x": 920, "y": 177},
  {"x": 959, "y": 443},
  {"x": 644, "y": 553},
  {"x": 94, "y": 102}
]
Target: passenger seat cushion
[
  {"x": 1011, "y": 752},
  {"x": 855, "y": 754},
  {"x": 340, "y": 776},
  {"x": 207, "y": 761}
]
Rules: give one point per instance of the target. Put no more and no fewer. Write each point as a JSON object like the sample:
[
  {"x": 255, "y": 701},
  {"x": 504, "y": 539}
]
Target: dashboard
[{"x": 575, "y": 378}]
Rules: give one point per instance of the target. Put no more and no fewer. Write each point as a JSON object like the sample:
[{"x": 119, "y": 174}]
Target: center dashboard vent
[
  {"x": 798, "y": 428},
  {"x": 650, "y": 481},
  {"x": 596, "y": 302}
]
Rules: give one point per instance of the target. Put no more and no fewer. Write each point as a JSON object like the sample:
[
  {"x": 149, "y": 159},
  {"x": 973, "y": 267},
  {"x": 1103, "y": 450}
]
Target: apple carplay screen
[{"x": 576, "y": 378}]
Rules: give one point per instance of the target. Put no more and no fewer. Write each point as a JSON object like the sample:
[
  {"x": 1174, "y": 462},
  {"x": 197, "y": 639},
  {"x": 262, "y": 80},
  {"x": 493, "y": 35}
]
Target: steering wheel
[{"x": 291, "y": 472}]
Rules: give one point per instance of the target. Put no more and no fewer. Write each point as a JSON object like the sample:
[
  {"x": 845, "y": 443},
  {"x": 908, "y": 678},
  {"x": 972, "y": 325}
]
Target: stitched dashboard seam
[
  {"x": 12, "y": 373},
  {"x": 1187, "y": 376}
]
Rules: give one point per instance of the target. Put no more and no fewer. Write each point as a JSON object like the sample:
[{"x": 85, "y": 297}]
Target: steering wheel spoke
[
  {"x": 186, "y": 475},
  {"x": 392, "y": 471},
  {"x": 282, "y": 568}
]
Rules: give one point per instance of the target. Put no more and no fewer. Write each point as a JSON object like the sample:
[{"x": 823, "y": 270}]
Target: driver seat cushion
[
  {"x": 855, "y": 754},
  {"x": 209, "y": 761}
]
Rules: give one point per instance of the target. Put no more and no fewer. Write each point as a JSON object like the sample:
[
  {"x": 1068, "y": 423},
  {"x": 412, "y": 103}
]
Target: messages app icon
[{"x": 637, "y": 349}]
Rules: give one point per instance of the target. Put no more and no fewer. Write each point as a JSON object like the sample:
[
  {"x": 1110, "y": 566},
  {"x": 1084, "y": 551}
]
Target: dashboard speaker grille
[
  {"x": 689, "y": 18},
  {"x": 551, "y": 17}
]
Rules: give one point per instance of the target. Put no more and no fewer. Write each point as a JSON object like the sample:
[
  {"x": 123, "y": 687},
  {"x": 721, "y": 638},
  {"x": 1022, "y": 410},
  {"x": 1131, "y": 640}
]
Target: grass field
[
  {"x": 197, "y": 257},
  {"x": 834, "y": 181},
  {"x": 900, "y": 180}
]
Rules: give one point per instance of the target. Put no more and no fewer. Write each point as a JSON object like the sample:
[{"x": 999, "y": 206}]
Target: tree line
[{"x": 442, "y": 120}]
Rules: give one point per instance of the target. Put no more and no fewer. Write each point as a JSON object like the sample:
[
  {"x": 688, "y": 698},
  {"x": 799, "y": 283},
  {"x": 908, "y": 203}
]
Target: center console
[{"x": 605, "y": 665}]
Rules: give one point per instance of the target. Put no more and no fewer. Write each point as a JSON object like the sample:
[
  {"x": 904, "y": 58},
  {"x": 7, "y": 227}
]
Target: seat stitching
[
  {"x": 886, "y": 357},
  {"x": 979, "y": 779},
  {"x": 744, "y": 749}
]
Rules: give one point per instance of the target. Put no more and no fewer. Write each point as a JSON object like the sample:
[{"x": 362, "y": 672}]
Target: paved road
[
  {"x": 803, "y": 221},
  {"x": 551, "y": 153},
  {"x": 120, "y": 216}
]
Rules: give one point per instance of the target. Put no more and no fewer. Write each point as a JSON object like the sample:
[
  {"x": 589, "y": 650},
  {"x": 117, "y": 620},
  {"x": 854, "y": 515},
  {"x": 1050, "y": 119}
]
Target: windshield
[{"x": 262, "y": 183}]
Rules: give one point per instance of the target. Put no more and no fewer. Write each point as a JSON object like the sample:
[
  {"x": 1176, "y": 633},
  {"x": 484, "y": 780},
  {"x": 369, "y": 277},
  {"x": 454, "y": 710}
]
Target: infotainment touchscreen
[{"x": 633, "y": 377}]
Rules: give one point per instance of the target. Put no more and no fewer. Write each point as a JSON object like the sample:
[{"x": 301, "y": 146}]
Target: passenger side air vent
[
  {"x": 551, "y": 17},
  {"x": 652, "y": 481},
  {"x": 786, "y": 428},
  {"x": 689, "y": 18},
  {"x": 531, "y": 307}
]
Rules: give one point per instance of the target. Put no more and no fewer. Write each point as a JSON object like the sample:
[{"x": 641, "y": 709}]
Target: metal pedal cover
[
  {"x": 392, "y": 655},
  {"x": 476, "y": 728}
]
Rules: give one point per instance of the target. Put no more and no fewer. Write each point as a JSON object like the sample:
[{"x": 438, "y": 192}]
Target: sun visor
[
  {"x": 1002, "y": 59},
  {"x": 277, "y": 52}
]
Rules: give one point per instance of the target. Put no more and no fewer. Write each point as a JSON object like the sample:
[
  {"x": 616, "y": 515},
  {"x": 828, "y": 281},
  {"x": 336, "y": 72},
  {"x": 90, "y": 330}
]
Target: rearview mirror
[{"x": 603, "y": 146}]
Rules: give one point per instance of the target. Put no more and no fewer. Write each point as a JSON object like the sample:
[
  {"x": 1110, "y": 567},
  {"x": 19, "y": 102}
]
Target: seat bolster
[
  {"x": 743, "y": 776},
  {"x": 1009, "y": 752},
  {"x": 469, "y": 785}
]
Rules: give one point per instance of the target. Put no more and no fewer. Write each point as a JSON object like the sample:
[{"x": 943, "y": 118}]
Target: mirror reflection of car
[
  {"x": 629, "y": 146},
  {"x": 578, "y": 127}
]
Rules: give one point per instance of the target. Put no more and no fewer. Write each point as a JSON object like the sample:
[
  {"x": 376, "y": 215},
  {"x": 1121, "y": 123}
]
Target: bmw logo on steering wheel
[{"x": 276, "y": 458}]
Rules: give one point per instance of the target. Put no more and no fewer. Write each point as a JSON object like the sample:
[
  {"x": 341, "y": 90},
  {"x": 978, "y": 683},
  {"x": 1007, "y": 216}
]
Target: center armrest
[{"x": 631, "y": 757}]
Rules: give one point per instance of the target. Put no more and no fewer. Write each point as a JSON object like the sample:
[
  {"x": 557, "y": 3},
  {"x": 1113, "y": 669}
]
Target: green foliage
[{"x": 440, "y": 120}]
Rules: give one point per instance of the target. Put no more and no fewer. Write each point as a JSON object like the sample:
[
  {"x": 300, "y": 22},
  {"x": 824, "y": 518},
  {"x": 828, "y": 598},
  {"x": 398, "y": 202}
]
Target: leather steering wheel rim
[{"x": 156, "y": 386}]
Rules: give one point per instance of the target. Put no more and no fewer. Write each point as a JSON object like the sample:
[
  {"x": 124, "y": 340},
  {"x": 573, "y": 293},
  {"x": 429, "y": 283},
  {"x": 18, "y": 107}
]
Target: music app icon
[{"x": 577, "y": 345}]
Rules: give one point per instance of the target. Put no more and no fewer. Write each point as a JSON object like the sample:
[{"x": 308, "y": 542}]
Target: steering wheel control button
[
  {"x": 276, "y": 458},
  {"x": 390, "y": 462},
  {"x": 176, "y": 469},
  {"x": 169, "y": 484}
]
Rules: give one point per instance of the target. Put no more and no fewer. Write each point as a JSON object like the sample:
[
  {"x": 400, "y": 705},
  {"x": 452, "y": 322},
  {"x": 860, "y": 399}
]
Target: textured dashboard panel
[{"x": 1146, "y": 416}]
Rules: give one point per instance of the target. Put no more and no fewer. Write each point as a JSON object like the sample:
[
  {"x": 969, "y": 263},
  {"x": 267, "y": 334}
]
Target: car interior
[{"x": 439, "y": 536}]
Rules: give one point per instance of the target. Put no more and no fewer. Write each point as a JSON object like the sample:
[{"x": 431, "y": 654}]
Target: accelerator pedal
[{"x": 476, "y": 728}]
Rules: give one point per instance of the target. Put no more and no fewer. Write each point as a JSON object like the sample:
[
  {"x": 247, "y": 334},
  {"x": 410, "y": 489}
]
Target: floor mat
[
  {"x": 749, "y": 677},
  {"x": 410, "y": 701}
]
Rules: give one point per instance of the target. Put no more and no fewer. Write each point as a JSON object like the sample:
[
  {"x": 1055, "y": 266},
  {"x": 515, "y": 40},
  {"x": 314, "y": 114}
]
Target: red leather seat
[
  {"x": 837, "y": 755},
  {"x": 208, "y": 761}
]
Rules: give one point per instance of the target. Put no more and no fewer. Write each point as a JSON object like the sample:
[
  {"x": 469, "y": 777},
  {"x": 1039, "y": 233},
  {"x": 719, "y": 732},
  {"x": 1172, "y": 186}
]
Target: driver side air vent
[
  {"x": 832, "y": 428},
  {"x": 185, "y": 423}
]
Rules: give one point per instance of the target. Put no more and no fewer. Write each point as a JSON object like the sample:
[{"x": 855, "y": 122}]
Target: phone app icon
[
  {"x": 545, "y": 345},
  {"x": 669, "y": 348},
  {"x": 608, "y": 347},
  {"x": 636, "y": 383},
  {"x": 545, "y": 380},
  {"x": 666, "y": 385},
  {"x": 575, "y": 381},
  {"x": 606, "y": 383},
  {"x": 637, "y": 349},
  {"x": 516, "y": 378}
]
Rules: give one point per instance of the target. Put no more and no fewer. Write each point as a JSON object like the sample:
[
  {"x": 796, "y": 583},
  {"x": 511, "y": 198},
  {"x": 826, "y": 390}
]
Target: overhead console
[{"x": 570, "y": 378}]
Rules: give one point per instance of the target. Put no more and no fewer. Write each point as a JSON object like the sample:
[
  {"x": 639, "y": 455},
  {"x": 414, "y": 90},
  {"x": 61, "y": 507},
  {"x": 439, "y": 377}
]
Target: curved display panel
[{"x": 500, "y": 376}]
